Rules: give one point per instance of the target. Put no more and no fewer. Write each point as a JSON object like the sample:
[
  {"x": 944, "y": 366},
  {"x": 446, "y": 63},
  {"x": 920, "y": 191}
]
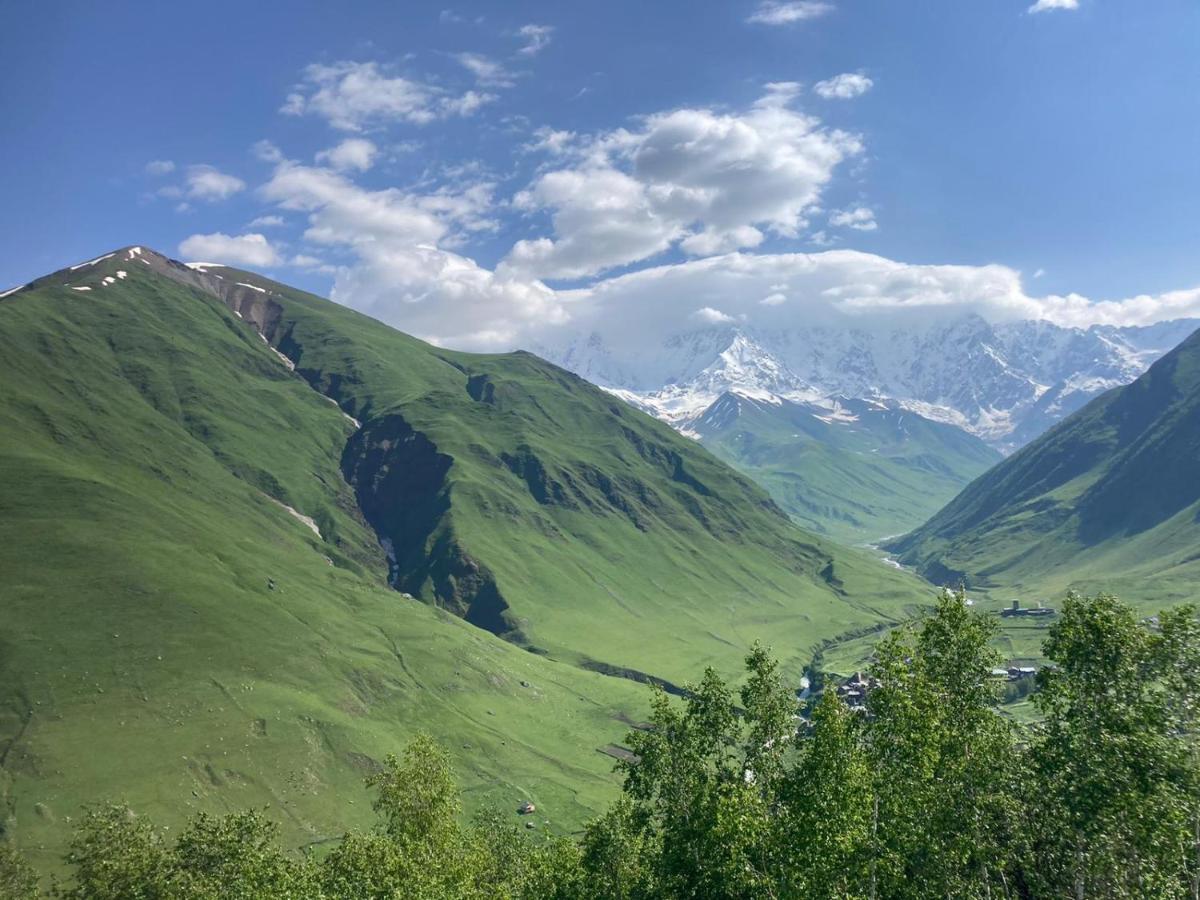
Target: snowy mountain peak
[{"x": 1005, "y": 383}]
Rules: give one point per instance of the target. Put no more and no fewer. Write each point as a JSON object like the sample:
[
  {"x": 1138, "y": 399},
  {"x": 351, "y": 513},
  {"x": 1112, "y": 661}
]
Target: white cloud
[
  {"x": 846, "y": 86},
  {"x": 548, "y": 140},
  {"x": 466, "y": 104},
  {"x": 487, "y": 71},
  {"x": 311, "y": 264},
  {"x": 354, "y": 96},
  {"x": 241, "y": 250},
  {"x": 208, "y": 184},
  {"x": 351, "y": 154},
  {"x": 860, "y": 218},
  {"x": 266, "y": 151},
  {"x": 708, "y": 182},
  {"x": 405, "y": 270},
  {"x": 778, "y": 12},
  {"x": 1047, "y": 5},
  {"x": 636, "y": 311},
  {"x": 160, "y": 167},
  {"x": 779, "y": 93},
  {"x": 710, "y": 316},
  {"x": 536, "y": 37},
  {"x": 266, "y": 222}
]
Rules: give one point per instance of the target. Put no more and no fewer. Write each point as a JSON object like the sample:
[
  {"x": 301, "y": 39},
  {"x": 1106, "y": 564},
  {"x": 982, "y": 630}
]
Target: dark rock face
[{"x": 400, "y": 479}]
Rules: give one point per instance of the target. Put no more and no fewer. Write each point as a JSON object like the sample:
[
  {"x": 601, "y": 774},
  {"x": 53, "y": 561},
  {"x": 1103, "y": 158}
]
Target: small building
[
  {"x": 1029, "y": 611},
  {"x": 853, "y": 692}
]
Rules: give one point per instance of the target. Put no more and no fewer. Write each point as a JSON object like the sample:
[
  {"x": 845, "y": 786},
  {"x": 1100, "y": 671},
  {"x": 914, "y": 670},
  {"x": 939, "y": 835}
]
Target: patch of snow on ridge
[
  {"x": 283, "y": 359},
  {"x": 122, "y": 274},
  {"x": 84, "y": 288},
  {"x": 134, "y": 251},
  {"x": 92, "y": 262},
  {"x": 345, "y": 415},
  {"x": 11, "y": 291},
  {"x": 251, "y": 286},
  {"x": 201, "y": 266},
  {"x": 299, "y": 516}
]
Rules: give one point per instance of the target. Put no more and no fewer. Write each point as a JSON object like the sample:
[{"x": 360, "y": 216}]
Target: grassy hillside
[
  {"x": 174, "y": 630},
  {"x": 1109, "y": 499},
  {"x": 859, "y": 474}
]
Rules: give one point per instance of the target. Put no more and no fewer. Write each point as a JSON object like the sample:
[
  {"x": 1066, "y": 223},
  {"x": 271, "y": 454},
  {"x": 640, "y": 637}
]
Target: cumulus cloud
[
  {"x": 636, "y": 311},
  {"x": 209, "y": 184},
  {"x": 160, "y": 167},
  {"x": 311, "y": 263},
  {"x": 405, "y": 270},
  {"x": 488, "y": 72},
  {"x": 355, "y": 96},
  {"x": 1048, "y": 5},
  {"x": 777, "y": 12},
  {"x": 705, "y": 181},
  {"x": 403, "y": 267},
  {"x": 710, "y": 316},
  {"x": 549, "y": 140},
  {"x": 861, "y": 218},
  {"x": 241, "y": 250},
  {"x": 846, "y": 86},
  {"x": 266, "y": 151},
  {"x": 356, "y": 154},
  {"x": 536, "y": 38}
]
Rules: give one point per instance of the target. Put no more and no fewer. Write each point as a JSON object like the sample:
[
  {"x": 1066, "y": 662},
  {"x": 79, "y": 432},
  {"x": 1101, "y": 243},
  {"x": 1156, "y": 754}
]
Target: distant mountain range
[
  {"x": 1004, "y": 383},
  {"x": 1108, "y": 499},
  {"x": 863, "y": 433}
]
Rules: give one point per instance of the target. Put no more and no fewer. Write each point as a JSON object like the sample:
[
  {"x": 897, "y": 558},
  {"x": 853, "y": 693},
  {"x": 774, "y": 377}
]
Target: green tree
[
  {"x": 1181, "y": 679},
  {"x": 1112, "y": 796},
  {"x": 942, "y": 760},
  {"x": 826, "y": 815},
  {"x": 117, "y": 855},
  {"x": 18, "y": 880},
  {"x": 235, "y": 857},
  {"x": 703, "y": 788}
]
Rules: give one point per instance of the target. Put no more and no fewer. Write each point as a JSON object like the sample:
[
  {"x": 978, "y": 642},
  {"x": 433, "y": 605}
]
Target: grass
[
  {"x": 1106, "y": 501},
  {"x": 172, "y": 636},
  {"x": 856, "y": 480}
]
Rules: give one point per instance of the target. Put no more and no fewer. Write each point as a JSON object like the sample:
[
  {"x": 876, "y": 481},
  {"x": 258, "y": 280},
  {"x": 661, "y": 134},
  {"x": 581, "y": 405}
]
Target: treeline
[{"x": 929, "y": 793}]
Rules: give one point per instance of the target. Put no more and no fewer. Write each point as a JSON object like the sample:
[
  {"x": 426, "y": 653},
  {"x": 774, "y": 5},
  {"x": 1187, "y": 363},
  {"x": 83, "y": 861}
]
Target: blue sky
[{"x": 507, "y": 163}]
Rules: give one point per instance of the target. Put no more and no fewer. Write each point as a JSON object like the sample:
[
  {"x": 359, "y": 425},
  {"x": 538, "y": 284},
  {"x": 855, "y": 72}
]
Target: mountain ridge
[
  {"x": 1004, "y": 383},
  {"x": 1107, "y": 497}
]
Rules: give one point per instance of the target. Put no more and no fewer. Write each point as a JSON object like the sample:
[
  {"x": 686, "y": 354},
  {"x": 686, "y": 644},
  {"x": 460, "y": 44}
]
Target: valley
[{"x": 285, "y": 538}]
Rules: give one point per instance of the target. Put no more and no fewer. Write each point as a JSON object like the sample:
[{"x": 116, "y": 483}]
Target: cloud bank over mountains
[{"x": 670, "y": 222}]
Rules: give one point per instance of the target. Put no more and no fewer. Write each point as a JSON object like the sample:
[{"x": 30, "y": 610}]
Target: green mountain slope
[
  {"x": 199, "y": 472},
  {"x": 860, "y": 473},
  {"x": 1108, "y": 499}
]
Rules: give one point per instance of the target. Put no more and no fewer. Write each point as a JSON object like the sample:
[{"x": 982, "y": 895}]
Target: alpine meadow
[{"x": 638, "y": 452}]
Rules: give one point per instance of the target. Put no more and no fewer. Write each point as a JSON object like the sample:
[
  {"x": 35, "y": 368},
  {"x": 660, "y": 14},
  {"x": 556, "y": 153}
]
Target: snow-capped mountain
[{"x": 1005, "y": 383}]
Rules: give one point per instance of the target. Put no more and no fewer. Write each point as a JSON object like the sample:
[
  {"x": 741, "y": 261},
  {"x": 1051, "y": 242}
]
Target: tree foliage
[{"x": 927, "y": 791}]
